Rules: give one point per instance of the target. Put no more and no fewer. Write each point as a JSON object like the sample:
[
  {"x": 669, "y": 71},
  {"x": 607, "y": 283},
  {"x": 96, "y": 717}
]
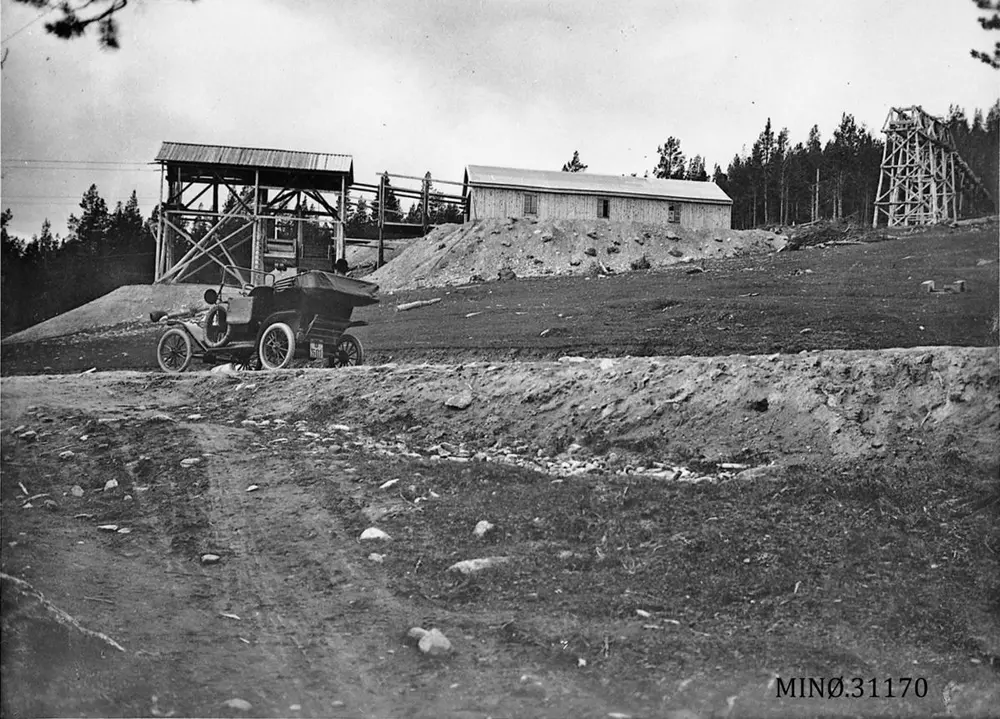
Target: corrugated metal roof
[
  {"x": 586, "y": 183},
  {"x": 254, "y": 157}
]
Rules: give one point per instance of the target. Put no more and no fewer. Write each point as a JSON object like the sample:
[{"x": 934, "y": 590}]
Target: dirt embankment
[
  {"x": 493, "y": 249},
  {"x": 817, "y": 406}
]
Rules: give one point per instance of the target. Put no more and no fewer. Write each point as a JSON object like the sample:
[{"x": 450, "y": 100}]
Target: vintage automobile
[{"x": 271, "y": 324}]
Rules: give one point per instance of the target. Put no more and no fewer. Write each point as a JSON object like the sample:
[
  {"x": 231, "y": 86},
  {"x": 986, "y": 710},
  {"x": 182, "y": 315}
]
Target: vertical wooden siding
[{"x": 489, "y": 203}]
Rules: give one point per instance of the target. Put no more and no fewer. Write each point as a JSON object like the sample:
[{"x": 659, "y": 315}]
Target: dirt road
[{"x": 672, "y": 544}]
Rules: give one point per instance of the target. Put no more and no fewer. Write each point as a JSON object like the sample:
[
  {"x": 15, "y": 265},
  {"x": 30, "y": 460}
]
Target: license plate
[{"x": 316, "y": 350}]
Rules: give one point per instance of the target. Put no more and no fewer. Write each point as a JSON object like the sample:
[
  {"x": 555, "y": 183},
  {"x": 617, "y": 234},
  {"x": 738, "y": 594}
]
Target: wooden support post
[
  {"x": 341, "y": 250},
  {"x": 380, "y": 259},
  {"x": 425, "y": 201},
  {"x": 257, "y": 250},
  {"x": 158, "y": 266}
]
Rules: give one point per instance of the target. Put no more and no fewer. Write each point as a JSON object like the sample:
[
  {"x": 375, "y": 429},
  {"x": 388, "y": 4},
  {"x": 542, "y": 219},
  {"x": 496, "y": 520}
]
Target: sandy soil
[{"x": 131, "y": 303}]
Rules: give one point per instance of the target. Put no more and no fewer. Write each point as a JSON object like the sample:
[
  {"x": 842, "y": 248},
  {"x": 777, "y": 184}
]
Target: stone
[
  {"x": 191, "y": 461},
  {"x": 76, "y": 490},
  {"x": 238, "y": 704},
  {"x": 431, "y": 642},
  {"x": 68, "y": 454},
  {"x": 474, "y": 566},
  {"x": 459, "y": 401},
  {"x": 675, "y": 253},
  {"x": 107, "y": 527},
  {"x": 390, "y": 483},
  {"x": 210, "y": 559},
  {"x": 590, "y": 252},
  {"x": 373, "y": 533},
  {"x": 29, "y": 436},
  {"x": 110, "y": 484},
  {"x": 376, "y": 557},
  {"x": 482, "y": 528}
]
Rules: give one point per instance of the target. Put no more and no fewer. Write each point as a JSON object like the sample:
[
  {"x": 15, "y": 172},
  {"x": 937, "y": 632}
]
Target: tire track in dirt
[{"x": 253, "y": 534}]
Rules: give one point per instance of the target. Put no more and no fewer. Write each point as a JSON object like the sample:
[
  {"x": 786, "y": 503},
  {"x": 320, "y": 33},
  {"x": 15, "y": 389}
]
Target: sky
[{"x": 411, "y": 86}]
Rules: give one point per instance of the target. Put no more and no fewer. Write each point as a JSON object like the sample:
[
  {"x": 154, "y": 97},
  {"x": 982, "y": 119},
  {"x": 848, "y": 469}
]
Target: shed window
[
  {"x": 673, "y": 213},
  {"x": 530, "y": 204},
  {"x": 603, "y": 208}
]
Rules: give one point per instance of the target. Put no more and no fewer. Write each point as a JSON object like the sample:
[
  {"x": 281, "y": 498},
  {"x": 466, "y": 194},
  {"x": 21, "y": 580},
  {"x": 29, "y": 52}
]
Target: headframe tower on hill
[{"x": 923, "y": 177}]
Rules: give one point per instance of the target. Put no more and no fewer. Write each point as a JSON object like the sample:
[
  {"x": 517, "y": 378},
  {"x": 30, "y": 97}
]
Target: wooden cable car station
[
  {"x": 246, "y": 210},
  {"x": 247, "y": 195}
]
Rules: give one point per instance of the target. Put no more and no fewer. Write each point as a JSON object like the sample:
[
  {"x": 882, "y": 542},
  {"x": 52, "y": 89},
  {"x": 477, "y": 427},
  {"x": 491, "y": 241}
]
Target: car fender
[
  {"x": 289, "y": 317},
  {"x": 194, "y": 330}
]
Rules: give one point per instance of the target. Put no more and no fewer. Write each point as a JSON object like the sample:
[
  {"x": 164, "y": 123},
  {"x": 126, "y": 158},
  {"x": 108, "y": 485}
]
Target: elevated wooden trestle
[
  {"x": 268, "y": 198},
  {"x": 923, "y": 178}
]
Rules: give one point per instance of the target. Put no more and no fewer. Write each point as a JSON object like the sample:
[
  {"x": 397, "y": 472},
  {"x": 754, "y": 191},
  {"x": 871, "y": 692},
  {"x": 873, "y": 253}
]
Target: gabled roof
[
  {"x": 186, "y": 152},
  {"x": 588, "y": 184}
]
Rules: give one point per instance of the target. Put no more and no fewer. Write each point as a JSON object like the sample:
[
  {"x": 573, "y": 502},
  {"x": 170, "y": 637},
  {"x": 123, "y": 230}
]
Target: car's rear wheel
[
  {"x": 277, "y": 346},
  {"x": 174, "y": 351},
  {"x": 349, "y": 352}
]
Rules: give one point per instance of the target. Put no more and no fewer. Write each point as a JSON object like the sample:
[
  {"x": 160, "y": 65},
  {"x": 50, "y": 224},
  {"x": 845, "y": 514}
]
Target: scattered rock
[
  {"x": 210, "y": 559},
  {"x": 253, "y": 488},
  {"x": 612, "y": 249},
  {"x": 641, "y": 264},
  {"x": 108, "y": 527},
  {"x": 373, "y": 533},
  {"x": 694, "y": 271},
  {"x": 29, "y": 436},
  {"x": 805, "y": 331},
  {"x": 110, "y": 484},
  {"x": 241, "y": 705},
  {"x": 592, "y": 234},
  {"x": 19, "y": 428},
  {"x": 474, "y": 566},
  {"x": 431, "y": 642},
  {"x": 390, "y": 483},
  {"x": 590, "y": 252},
  {"x": 193, "y": 417},
  {"x": 506, "y": 273},
  {"x": 547, "y": 237},
  {"x": 482, "y": 528},
  {"x": 191, "y": 462},
  {"x": 671, "y": 235},
  {"x": 675, "y": 253},
  {"x": 575, "y": 263},
  {"x": 376, "y": 557},
  {"x": 531, "y": 686},
  {"x": 68, "y": 454},
  {"x": 459, "y": 401}
]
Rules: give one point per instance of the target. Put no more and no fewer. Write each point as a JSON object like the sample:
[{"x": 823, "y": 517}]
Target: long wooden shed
[{"x": 503, "y": 192}]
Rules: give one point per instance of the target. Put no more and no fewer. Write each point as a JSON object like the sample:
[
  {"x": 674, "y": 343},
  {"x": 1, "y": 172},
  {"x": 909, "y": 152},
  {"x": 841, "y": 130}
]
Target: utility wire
[{"x": 9, "y": 160}]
